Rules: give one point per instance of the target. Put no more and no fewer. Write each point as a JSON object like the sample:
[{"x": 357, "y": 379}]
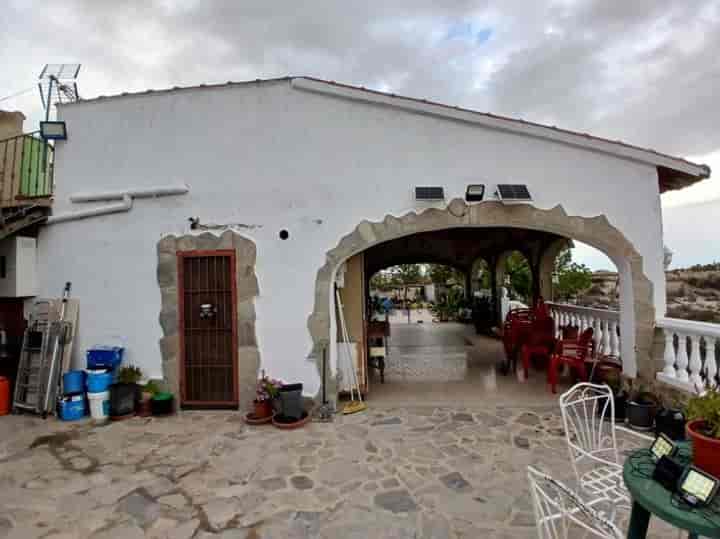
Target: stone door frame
[{"x": 246, "y": 285}]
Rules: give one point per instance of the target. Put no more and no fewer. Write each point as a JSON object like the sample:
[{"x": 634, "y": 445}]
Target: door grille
[{"x": 209, "y": 370}]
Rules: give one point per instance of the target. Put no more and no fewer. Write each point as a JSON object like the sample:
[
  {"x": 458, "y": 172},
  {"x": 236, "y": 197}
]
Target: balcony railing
[
  {"x": 692, "y": 352},
  {"x": 26, "y": 170},
  {"x": 603, "y": 321}
]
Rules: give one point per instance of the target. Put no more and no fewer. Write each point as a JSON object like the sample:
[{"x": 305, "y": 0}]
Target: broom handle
[
  {"x": 356, "y": 382},
  {"x": 346, "y": 337}
]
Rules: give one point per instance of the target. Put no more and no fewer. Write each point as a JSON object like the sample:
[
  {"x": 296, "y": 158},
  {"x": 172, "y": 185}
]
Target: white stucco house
[{"x": 204, "y": 227}]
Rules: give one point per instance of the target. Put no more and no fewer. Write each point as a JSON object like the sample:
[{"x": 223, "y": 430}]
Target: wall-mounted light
[
  {"x": 475, "y": 193},
  {"x": 53, "y": 130}
]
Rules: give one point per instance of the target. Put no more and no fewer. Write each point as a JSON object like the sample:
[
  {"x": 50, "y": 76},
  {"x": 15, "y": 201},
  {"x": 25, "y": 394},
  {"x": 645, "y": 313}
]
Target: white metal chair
[
  {"x": 588, "y": 413},
  {"x": 561, "y": 514}
]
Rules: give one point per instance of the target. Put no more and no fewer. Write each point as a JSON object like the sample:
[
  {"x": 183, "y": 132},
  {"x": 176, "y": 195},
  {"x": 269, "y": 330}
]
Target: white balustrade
[
  {"x": 698, "y": 370},
  {"x": 603, "y": 321}
]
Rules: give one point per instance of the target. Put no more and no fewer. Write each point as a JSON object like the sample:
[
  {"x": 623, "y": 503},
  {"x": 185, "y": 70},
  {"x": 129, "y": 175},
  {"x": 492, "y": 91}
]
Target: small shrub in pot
[
  {"x": 703, "y": 428},
  {"x": 125, "y": 393}
]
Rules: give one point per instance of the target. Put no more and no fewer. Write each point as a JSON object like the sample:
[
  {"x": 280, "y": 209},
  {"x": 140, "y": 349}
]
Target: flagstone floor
[{"x": 390, "y": 472}]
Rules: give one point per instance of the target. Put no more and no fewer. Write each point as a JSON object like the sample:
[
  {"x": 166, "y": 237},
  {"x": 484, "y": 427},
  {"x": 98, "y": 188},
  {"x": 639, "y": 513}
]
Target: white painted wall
[{"x": 282, "y": 158}]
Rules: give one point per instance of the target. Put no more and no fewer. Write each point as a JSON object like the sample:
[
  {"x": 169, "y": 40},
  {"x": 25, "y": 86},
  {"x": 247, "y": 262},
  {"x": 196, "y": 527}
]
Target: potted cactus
[{"x": 703, "y": 429}]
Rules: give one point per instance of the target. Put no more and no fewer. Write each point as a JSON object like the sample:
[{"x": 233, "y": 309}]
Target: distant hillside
[{"x": 692, "y": 293}]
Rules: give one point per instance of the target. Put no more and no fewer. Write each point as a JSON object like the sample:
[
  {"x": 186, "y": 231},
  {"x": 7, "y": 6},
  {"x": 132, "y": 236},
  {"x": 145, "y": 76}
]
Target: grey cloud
[{"x": 618, "y": 69}]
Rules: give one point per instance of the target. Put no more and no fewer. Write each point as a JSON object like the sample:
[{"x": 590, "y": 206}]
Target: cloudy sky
[{"x": 643, "y": 71}]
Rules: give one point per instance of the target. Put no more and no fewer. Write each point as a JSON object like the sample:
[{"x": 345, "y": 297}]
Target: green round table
[{"x": 651, "y": 498}]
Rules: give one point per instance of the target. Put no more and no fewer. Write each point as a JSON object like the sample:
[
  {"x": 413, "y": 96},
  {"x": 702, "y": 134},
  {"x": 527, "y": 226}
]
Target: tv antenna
[{"x": 58, "y": 84}]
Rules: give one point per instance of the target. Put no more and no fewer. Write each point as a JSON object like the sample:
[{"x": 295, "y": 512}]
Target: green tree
[
  {"x": 574, "y": 278},
  {"x": 518, "y": 269},
  {"x": 382, "y": 281},
  {"x": 442, "y": 274}
]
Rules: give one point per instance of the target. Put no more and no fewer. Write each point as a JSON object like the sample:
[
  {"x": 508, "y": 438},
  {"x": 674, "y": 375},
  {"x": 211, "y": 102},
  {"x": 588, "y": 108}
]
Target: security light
[
  {"x": 53, "y": 130},
  {"x": 475, "y": 193}
]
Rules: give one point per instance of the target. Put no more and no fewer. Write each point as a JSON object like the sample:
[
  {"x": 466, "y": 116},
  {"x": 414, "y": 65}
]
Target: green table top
[{"x": 637, "y": 473}]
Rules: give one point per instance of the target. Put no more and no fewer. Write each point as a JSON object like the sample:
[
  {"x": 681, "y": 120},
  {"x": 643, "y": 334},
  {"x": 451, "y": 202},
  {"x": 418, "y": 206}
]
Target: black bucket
[
  {"x": 291, "y": 401},
  {"x": 123, "y": 399}
]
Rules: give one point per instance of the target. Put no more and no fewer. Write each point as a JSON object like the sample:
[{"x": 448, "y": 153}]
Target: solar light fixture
[
  {"x": 429, "y": 193},
  {"x": 698, "y": 488},
  {"x": 53, "y": 130},
  {"x": 513, "y": 192},
  {"x": 475, "y": 193},
  {"x": 663, "y": 446}
]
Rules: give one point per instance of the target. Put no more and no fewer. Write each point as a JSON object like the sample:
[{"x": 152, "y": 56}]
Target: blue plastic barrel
[
  {"x": 72, "y": 407},
  {"x": 99, "y": 380},
  {"x": 104, "y": 356},
  {"x": 73, "y": 382}
]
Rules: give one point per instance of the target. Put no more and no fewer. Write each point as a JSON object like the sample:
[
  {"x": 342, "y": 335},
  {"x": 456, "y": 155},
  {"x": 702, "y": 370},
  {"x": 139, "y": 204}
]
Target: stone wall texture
[
  {"x": 595, "y": 231},
  {"x": 248, "y": 355}
]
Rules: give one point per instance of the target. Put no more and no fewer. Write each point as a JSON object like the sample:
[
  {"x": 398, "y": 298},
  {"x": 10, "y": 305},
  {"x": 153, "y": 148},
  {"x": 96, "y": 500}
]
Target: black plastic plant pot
[
  {"x": 620, "y": 406},
  {"x": 124, "y": 399},
  {"x": 162, "y": 404},
  {"x": 641, "y": 415},
  {"x": 671, "y": 422},
  {"x": 291, "y": 401}
]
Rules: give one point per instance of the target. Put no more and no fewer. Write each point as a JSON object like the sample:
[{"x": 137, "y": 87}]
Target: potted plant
[
  {"x": 670, "y": 420},
  {"x": 703, "y": 428},
  {"x": 642, "y": 408},
  {"x": 620, "y": 394},
  {"x": 266, "y": 391},
  {"x": 147, "y": 391},
  {"x": 125, "y": 393}
]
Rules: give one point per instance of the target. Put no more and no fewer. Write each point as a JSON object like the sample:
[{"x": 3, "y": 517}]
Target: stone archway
[{"x": 594, "y": 231}]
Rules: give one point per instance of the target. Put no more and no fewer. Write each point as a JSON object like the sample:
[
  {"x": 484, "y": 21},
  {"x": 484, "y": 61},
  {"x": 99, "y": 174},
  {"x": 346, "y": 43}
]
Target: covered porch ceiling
[{"x": 457, "y": 247}]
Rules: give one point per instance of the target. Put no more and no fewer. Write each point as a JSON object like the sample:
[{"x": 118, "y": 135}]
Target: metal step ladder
[{"x": 40, "y": 367}]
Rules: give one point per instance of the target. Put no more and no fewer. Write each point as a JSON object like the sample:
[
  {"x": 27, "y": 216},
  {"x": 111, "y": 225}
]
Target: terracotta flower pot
[
  {"x": 263, "y": 408},
  {"x": 706, "y": 450}
]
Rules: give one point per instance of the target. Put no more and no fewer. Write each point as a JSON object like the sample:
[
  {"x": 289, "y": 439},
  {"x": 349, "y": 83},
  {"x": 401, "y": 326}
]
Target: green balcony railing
[{"x": 26, "y": 169}]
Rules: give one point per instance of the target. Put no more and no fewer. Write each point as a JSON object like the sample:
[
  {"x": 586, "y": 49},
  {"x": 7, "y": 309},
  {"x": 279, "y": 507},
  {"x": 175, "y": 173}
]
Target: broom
[{"x": 358, "y": 405}]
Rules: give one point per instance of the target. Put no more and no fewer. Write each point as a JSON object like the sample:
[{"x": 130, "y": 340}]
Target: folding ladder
[{"x": 41, "y": 356}]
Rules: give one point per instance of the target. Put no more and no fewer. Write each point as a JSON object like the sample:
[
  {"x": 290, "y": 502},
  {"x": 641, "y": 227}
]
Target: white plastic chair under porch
[
  {"x": 588, "y": 413},
  {"x": 561, "y": 514}
]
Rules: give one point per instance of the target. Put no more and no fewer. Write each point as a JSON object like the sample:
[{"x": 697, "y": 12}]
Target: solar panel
[
  {"x": 429, "y": 193},
  {"x": 513, "y": 192}
]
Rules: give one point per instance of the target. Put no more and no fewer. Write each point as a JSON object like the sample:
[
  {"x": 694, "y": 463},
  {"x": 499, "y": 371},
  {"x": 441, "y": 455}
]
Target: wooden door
[{"x": 208, "y": 328}]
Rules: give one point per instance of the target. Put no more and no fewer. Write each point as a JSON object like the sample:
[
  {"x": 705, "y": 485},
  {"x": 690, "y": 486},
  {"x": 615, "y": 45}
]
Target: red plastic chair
[
  {"x": 541, "y": 342},
  {"x": 516, "y": 331},
  {"x": 573, "y": 354}
]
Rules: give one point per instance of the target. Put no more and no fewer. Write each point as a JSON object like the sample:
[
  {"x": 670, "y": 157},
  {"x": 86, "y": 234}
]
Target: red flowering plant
[{"x": 267, "y": 388}]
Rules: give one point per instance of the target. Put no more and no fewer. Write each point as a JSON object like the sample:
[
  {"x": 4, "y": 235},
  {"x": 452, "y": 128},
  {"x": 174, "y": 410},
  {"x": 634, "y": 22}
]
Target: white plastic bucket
[{"x": 99, "y": 405}]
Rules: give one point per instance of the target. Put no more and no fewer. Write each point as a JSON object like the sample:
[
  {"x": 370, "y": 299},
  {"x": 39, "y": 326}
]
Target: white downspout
[
  {"x": 123, "y": 206},
  {"x": 146, "y": 192},
  {"x": 126, "y": 196}
]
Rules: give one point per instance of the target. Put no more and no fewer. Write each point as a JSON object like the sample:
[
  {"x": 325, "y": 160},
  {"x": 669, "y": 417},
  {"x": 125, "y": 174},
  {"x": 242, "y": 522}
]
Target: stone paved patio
[{"x": 410, "y": 472}]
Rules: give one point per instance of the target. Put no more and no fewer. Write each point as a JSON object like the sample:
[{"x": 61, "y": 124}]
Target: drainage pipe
[
  {"x": 123, "y": 206},
  {"x": 142, "y": 192}
]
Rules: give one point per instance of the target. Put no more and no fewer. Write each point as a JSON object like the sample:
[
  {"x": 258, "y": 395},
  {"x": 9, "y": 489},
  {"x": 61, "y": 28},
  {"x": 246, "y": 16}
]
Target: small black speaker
[{"x": 668, "y": 472}]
